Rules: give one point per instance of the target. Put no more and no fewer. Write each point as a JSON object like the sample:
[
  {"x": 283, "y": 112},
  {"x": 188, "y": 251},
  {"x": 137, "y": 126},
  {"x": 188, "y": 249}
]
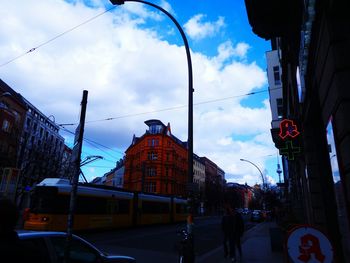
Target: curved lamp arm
[{"x": 262, "y": 176}]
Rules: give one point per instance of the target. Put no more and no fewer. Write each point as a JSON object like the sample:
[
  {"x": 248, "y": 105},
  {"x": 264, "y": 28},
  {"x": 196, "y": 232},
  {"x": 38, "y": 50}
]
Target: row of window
[
  {"x": 155, "y": 142},
  {"x": 42, "y": 119},
  {"x": 151, "y": 187}
]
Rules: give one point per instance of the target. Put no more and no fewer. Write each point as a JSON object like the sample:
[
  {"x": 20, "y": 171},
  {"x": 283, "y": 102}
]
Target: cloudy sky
[{"x": 132, "y": 61}]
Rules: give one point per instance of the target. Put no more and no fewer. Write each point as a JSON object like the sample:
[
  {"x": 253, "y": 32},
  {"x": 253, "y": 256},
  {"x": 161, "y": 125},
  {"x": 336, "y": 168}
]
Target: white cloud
[
  {"x": 226, "y": 51},
  {"x": 165, "y": 5},
  {"x": 129, "y": 70},
  {"x": 196, "y": 29}
]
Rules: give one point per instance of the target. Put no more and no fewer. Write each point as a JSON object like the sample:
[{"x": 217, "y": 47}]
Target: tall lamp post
[
  {"x": 190, "y": 89},
  {"x": 190, "y": 82}
]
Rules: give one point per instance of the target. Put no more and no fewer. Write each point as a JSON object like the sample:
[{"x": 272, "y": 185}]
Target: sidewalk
[{"x": 256, "y": 247}]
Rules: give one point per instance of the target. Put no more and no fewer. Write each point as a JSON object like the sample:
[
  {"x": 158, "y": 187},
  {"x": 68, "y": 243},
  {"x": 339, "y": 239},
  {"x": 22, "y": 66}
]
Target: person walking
[
  {"x": 228, "y": 226},
  {"x": 239, "y": 233}
]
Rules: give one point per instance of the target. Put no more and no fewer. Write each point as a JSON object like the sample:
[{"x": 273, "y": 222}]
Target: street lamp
[
  {"x": 190, "y": 82},
  {"x": 262, "y": 176},
  {"x": 190, "y": 96}
]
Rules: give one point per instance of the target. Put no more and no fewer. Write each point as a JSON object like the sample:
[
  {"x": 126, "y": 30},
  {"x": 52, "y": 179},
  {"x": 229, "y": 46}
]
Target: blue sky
[{"x": 132, "y": 61}]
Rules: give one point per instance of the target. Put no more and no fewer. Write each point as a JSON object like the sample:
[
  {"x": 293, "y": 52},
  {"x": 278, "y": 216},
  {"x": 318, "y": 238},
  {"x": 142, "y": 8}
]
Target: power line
[
  {"x": 170, "y": 108},
  {"x": 98, "y": 166},
  {"x": 91, "y": 142},
  {"x": 58, "y": 36}
]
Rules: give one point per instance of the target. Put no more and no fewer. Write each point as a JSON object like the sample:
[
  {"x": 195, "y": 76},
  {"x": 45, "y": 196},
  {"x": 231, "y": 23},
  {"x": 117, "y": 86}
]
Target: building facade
[
  {"x": 199, "y": 173},
  {"x": 12, "y": 117},
  {"x": 214, "y": 191},
  {"x": 38, "y": 147},
  {"x": 156, "y": 162},
  {"x": 312, "y": 40},
  {"x": 42, "y": 146}
]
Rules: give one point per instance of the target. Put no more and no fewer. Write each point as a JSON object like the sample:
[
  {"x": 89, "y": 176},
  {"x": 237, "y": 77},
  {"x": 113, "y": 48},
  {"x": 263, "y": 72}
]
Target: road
[{"x": 156, "y": 244}]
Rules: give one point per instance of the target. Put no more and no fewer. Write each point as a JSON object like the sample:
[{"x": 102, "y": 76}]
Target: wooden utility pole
[{"x": 75, "y": 159}]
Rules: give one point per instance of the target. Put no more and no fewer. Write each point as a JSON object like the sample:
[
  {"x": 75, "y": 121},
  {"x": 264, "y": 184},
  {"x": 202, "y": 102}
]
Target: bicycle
[{"x": 185, "y": 247}]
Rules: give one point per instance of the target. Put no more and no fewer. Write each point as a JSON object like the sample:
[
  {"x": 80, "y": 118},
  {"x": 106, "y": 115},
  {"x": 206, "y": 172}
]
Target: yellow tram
[{"x": 99, "y": 207}]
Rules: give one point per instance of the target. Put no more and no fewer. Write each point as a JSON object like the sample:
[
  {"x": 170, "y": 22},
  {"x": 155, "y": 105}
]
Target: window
[
  {"x": 79, "y": 251},
  {"x": 151, "y": 207},
  {"x": 279, "y": 103},
  {"x": 154, "y": 129},
  {"x": 29, "y": 121},
  {"x": 6, "y": 126},
  {"x": 150, "y": 187},
  {"x": 152, "y": 156},
  {"x": 36, "y": 250},
  {"x": 151, "y": 171},
  {"x": 153, "y": 142},
  {"x": 276, "y": 75}
]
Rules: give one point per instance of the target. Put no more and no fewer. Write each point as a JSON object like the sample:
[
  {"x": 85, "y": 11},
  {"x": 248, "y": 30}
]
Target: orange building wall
[{"x": 170, "y": 165}]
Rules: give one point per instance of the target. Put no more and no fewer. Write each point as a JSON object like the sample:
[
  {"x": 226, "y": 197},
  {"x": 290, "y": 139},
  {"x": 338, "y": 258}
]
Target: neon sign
[
  {"x": 288, "y": 132},
  {"x": 290, "y": 150},
  {"x": 288, "y": 128}
]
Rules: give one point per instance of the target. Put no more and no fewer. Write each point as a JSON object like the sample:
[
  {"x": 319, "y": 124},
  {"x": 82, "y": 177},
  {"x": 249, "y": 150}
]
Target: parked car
[
  {"x": 256, "y": 216},
  {"x": 50, "y": 248},
  {"x": 246, "y": 211}
]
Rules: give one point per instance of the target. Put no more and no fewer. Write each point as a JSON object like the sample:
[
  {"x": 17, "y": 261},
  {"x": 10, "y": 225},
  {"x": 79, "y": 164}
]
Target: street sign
[{"x": 306, "y": 244}]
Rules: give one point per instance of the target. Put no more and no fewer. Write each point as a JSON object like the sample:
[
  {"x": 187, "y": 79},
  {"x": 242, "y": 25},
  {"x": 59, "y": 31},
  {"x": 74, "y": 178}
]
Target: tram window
[
  {"x": 118, "y": 206},
  {"x": 180, "y": 208},
  {"x": 123, "y": 206},
  {"x": 44, "y": 200},
  {"x": 155, "y": 207},
  {"x": 91, "y": 205}
]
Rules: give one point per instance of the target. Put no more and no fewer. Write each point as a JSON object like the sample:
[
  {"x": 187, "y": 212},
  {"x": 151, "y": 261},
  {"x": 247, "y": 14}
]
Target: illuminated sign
[
  {"x": 288, "y": 129},
  {"x": 289, "y": 150},
  {"x": 288, "y": 132}
]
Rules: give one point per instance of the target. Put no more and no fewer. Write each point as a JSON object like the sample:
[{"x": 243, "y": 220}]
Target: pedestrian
[
  {"x": 239, "y": 233},
  {"x": 228, "y": 226},
  {"x": 11, "y": 247}
]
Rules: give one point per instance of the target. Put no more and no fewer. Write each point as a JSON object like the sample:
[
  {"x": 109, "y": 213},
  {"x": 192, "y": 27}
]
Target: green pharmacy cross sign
[
  {"x": 288, "y": 132},
  {"x": 290, "y": 150}
]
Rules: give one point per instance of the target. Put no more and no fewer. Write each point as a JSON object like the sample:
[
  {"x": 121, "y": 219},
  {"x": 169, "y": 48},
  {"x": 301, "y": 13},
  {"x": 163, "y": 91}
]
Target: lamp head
[{"x": 117, "y": 2}]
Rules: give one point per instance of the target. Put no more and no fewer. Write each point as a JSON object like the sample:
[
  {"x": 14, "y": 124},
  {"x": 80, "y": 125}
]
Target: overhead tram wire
[
  {"x": 169, "y": 109},
  {"x": 93, "y": 143},
  {"x": 56, "y": 37}
]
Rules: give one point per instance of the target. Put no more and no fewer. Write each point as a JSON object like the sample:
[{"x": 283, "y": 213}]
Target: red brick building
[
  {"x": 12, "y": 115},
  {"x": 156, "y": 162}
]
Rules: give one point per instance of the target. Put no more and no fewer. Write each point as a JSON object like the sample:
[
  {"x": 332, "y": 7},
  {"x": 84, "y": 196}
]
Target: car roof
[{"x": 28, "y": 233}]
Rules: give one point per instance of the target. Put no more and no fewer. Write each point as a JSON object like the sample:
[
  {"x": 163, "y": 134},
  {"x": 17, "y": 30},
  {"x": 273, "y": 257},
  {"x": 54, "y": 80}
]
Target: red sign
[
  {"x": 288, "y": 129},
  {"x": 306, "y": 244}
]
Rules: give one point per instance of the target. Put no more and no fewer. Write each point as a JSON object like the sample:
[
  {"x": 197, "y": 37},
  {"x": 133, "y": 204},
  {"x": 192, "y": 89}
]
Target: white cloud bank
[
  {"x": 197, "y": 30},
  {"x": 129, "y": 70}
]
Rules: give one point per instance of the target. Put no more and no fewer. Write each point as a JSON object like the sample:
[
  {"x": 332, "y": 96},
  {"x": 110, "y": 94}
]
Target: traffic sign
[{"x": 306, "y": 244}]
